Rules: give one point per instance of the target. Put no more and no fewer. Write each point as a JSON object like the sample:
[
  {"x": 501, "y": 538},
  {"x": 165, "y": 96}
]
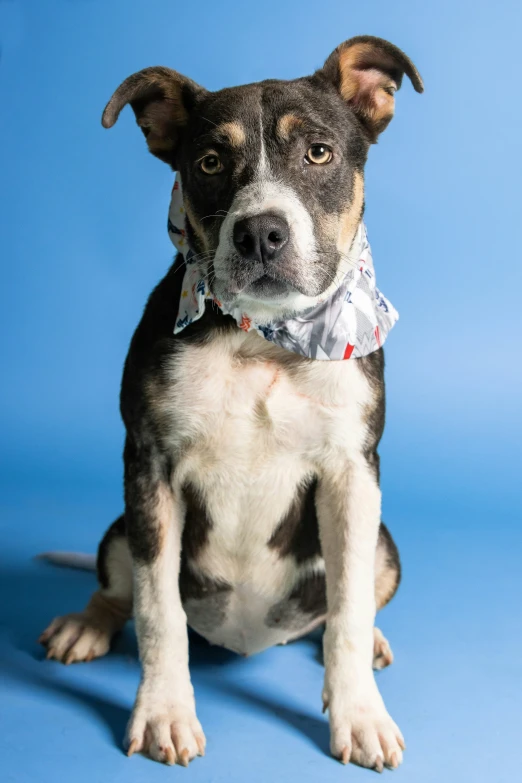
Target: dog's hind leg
[
  {"x": 382, "y": 652},
  {"x": 387, "y": 579},
  {"x": 86, "y": 635}
]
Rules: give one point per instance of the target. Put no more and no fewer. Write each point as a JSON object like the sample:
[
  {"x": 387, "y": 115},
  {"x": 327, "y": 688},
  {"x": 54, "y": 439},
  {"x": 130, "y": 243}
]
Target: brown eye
[
  {"x": 210, "y": 164},
  {"x": 319, "y": 154}
]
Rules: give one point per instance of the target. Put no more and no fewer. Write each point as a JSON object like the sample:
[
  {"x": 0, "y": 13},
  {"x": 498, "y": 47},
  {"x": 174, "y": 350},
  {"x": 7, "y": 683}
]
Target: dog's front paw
[
  {"x": 361, "y": 731},
  {"x": 167, "y": 732}
]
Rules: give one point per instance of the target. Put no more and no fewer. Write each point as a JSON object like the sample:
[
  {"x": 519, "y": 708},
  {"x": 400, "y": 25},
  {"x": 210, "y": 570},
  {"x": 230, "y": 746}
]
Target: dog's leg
[
  {"x": 348, "y": 505},
  {"x": 382, "y": 652},
  {"x": 82, "y": 636},
  {"x": 387, "y": 580},
  {"x": 163, "y": 723}
]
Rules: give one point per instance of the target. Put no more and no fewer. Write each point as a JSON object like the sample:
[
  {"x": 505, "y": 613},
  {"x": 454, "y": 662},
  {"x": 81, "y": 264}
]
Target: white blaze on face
[{"x": 268, "y": 194}]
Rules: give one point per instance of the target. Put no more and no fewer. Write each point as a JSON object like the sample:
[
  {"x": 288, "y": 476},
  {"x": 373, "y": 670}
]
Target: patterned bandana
[{"x": 351, "y": 322}]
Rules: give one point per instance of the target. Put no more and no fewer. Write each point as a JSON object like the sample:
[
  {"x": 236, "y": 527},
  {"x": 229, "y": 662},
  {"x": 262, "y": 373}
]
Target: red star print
[{"x": 245, "y": 323}]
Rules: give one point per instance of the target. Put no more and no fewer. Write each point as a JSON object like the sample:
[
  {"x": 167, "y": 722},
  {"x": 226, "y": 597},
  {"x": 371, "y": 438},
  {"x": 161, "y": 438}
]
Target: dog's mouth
[
  {"x": 275, "y": 287},
  {"x": 267, "y": 287},
  {"x": 257, "y": 282}
]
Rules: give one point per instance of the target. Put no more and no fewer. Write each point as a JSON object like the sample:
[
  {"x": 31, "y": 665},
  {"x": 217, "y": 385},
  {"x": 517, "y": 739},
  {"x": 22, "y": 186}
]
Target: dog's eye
[
  {"x": 211, "y": 164},
  {"x": 319, "y": 154}
]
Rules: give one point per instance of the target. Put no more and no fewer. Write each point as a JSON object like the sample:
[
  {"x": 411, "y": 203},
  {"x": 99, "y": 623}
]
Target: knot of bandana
[{"x": 351, "y": 322}]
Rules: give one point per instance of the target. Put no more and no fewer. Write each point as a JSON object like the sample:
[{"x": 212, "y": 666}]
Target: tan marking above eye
[
  {"x": 286, "y": 124},
  {"x": 234, "y": 133},
  {"x": 319, "y": 154}
]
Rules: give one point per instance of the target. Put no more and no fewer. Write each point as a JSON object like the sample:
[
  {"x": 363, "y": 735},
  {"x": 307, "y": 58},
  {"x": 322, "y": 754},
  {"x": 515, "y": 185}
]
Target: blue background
[{"x": 82, "y": 242}]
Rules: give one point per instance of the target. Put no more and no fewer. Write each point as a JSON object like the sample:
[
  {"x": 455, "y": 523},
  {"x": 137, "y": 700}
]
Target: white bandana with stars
[{"x": 351, "y": 322}]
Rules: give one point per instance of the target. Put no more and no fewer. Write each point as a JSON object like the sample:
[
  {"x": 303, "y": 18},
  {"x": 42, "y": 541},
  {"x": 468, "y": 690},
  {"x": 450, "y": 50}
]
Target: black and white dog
[{"x": 252, "y": 501}]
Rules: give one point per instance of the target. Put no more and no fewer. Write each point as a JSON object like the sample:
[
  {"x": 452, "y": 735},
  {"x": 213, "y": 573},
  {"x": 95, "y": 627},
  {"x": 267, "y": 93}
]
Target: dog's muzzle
[{"x": 351, "y": 320}]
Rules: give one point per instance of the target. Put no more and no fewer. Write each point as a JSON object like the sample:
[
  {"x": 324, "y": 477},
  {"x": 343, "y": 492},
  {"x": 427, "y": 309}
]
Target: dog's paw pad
[{"x": 74, "y": 638}]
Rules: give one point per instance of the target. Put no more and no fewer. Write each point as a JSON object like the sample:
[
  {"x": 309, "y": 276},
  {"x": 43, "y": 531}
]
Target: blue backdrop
[{"x": 82, "y": 242}]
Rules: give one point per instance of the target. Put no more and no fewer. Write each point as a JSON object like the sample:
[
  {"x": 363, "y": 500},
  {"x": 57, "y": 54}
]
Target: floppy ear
[
  {"x": 367, "y": 71},
  {"x": 161, "y": 100}
]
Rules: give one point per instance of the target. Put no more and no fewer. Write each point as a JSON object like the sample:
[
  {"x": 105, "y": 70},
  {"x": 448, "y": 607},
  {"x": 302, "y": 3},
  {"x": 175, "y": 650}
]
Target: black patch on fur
[
  {"x": 298, "y": 532},
  {"x": 197, "y": 586},
  {"x": 205, "y": 600},
  {"x": 311, "y": 595},
  {"x": 197, "y": 524},
  {"x": 146, "y": 475},
  {"x": 372, "y": 366},
  {"x": 116, "y": 530},
  {"x": 393, "y": 561},
  {"x": 306, "y": 603}
]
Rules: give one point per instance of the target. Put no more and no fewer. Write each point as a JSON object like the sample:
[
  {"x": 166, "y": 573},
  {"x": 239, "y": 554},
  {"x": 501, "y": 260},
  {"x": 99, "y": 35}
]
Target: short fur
[{"x": 252, "y": 501}]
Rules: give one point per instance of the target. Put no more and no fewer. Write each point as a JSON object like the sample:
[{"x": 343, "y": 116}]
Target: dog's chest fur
[{"x": 248, "y": 426}]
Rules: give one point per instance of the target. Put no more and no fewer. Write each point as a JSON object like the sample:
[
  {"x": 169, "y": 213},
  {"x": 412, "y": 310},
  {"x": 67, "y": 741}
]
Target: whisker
[
  {"x": 343, "y": 268},
  {"x": 335, "y": 278},
  {"x": 207, "y": 120},
  {"x": 203, "y": 256},
  {"x": 198, "y": 258}
]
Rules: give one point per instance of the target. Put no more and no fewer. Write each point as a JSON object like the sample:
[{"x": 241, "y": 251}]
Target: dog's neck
[{"x": 352, "y": 318}]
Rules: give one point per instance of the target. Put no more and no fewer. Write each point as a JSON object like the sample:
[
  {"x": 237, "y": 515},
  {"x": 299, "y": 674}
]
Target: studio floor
[{"x": 454, "y": 689}]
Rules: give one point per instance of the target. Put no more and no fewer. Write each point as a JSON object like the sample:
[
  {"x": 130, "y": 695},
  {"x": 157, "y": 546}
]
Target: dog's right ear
[{"x": 162, "y": 100}]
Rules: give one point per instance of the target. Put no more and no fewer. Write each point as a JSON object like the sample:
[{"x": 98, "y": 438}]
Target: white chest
[
  {"x": 242, "y": 402},
  {"x": 248, "y": 427}
]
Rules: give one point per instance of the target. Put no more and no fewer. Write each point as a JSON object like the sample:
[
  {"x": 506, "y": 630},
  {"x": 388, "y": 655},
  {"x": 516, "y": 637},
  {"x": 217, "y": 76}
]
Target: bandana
[{"x": 351, "y": 322}]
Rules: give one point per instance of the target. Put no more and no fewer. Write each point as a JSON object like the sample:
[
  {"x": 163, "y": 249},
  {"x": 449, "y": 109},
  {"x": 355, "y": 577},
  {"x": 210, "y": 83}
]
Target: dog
[{"x": 252, "y": 499}]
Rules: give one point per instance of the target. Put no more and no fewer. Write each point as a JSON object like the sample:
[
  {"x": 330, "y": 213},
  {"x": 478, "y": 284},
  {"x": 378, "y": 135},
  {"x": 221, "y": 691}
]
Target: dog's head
[{"x": 272, "y": 172}]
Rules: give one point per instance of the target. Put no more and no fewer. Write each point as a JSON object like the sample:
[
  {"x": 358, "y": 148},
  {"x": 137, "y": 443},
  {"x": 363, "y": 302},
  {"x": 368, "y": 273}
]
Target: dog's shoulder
[{"x": 154, "y": 345}]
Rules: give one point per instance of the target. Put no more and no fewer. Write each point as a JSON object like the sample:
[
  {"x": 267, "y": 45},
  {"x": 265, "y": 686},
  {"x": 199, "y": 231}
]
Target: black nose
[{"x": 261, "y": 237}]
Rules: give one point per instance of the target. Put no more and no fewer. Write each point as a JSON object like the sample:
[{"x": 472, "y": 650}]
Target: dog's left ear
[{"x": 367, "y": 71}]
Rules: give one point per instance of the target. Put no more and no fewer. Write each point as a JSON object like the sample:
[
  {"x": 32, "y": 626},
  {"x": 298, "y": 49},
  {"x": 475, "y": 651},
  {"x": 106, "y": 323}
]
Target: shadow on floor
[{"x": 37, "y": 592}]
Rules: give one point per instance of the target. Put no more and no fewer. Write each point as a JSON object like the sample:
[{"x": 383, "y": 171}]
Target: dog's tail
[{"x": 70, "y": 560}]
